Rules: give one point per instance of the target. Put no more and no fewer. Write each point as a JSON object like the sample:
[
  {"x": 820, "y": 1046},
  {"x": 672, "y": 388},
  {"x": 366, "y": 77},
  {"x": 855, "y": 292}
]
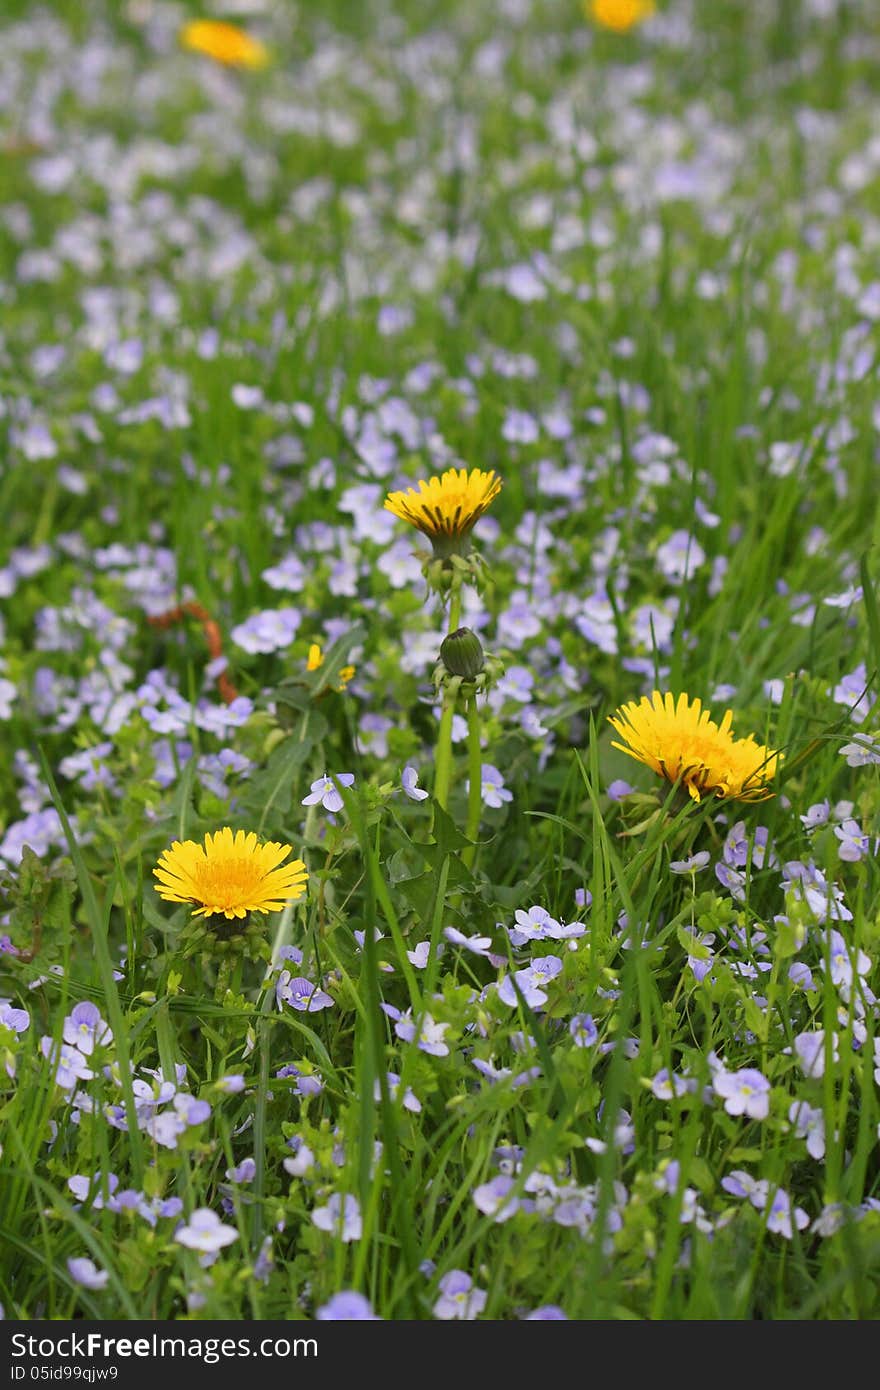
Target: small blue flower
[
  {"x": 347, "y": 1306},
  {"x": 583, "y": 1030},
  {"x": 324, "y": 792},
  {"x": 409, "y": 782}
]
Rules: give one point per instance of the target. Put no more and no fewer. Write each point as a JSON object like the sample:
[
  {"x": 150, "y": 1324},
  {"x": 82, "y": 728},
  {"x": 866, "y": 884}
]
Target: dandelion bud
[{"x": 462, "y": 654}]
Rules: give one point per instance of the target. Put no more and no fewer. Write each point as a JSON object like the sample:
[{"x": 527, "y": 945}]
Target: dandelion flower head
[
  {"x": 680, "y": 741},
  {"x": 619, "y": 15},
  {"x": 225, "y": 43},
  {"x": 230, "y": 875},
  {"x": 447, "y": 508}
]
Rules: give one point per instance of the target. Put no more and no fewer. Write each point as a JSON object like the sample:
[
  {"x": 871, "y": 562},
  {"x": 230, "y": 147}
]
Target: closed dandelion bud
[{"x": 462, "y": 654}]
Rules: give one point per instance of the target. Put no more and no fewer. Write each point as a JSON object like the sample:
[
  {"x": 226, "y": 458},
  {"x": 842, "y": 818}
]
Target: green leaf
[{"x": 447, "y": 836}]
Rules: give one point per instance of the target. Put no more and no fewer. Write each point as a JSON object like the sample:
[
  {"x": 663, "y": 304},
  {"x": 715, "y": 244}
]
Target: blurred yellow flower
[
  {"x": 316, "y": 659},
  {"x": 680, "y": 741},
  {"x": 225, "y": 43},
  {"x": 230, "y": 875},
  {"x": 619, "y": 15}
]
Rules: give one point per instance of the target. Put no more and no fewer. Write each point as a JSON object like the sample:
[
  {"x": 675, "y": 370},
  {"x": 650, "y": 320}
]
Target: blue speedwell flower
[{"x": 324, "y": 792}]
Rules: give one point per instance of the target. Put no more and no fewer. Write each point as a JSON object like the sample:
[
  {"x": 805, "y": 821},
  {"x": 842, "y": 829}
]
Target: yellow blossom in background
[
  {"x": 230, "y": 875},
  {"x": 682, "y": 742},
  {"x": 316, "y": 659},
  {"x": 619, "y": 15},
  {"x": 225, "y": 43},
  {"x": 446, "y": 508}
]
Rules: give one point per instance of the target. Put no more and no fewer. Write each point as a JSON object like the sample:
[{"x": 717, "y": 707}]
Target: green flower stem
[
  {"x": 443, "y": 772},
  {"x": 475, "y": 776}
]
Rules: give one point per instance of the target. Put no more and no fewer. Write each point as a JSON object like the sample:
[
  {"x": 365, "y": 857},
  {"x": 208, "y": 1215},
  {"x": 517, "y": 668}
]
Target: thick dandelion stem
[
  {"x": 455, "y": 606},
  {"x": 475, "y": 780},
  {"x": 443, "y": 771}
]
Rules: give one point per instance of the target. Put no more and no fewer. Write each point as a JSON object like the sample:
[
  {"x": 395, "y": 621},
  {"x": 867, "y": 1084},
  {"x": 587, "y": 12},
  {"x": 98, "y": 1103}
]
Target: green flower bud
[{"x": 462, "y": 654}]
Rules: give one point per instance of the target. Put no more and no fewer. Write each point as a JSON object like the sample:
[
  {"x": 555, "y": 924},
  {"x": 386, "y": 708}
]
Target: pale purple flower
[
  {"x": 190, "y": 1110},
  {"x": 493, "y": 790},
  {"x": 810, "y": 1049},
  {"x": 17, "y": 1020},
  {"x": 306, "y": 1083},
  {"x": 549, "y": 1312},
  {"x": 420, "y": 955},
  {"x": 167, "y": 1126},
  {"x": 700, "y": 960},
  {"x": 230, "y": 1085},
  {"x": 324, "y": 792},
  {"x": 830, "y": 1219},
  {"x": 680, "y": 557},
  {"x": 745, "y": 1092},
  {"x": 854, "y": 844},
  {"x": 303, "y": 1160},
  {"x": 340, "y": 1217},
  {"x": 693, "y": 865},
  {"x": 247, "y": 397},
  {"x": 522, "y": 1078},
  {"x": 546, "y": 968},
  {"x": 841, "y": 960},
  {"x": 739, "y": 1183},
  {"x": 731, "y": 879},
  {"x": 81, "y": 1186},
  {"x": 85, "y": 1029},
  {"x": 809, "y": 1124},
  {"x": 531, "y": 925},
  {"x": 242, "y": 1172},
  {"x": 478, "y": 945},
  {"x": 801, "y": 975},
  {"x": 347, "y": 1306},
  {"x": 430, "y": 1038},
  {"x": 89, "y": 767},
  {"x": 583, "y": 1030},
  {"x": 618, "y": 790},
  {"x": 459, "y": 1300},
  {"x": 863, "y": 750},
  {"x": 300, "y": 994},
  {"x": 409, "y": 782},
  {"x": 86, "y": 1273},
  {"x": 205, "y": 1232},
  {"x": 853, "y": 692},
  {"x": 779, "y": 1216},
  {"x": 667, "y": 1084},
  {"x": 742, "y": 851},
  {"x": 809, "y": 885},
  {"x": 289, "y": 575},
  {"x": 269, "y": 631},
  {"x": 817, "y": 815},
  {"x": 71, "y": 1065},
  {"x": 529, "y": 987},
  {"x": 575, "y": 1212},
  {"x": 519, "y": 427},
  {"x": 492, "y": 1198},
  {"x": 410, "y": 1101}
]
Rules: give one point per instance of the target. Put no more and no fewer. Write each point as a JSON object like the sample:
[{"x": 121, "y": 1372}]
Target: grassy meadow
[{"x": 555, "y": 1027}]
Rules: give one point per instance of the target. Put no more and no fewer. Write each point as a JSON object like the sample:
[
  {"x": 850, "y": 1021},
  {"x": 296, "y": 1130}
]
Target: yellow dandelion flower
[
  {"x": 682, "y": 742},
  {"x": 225, "y": 43},
  {"x": 230, "y": 875},
  {"x": 619, "y": 15},
  {"x": 446, "y": 508}
]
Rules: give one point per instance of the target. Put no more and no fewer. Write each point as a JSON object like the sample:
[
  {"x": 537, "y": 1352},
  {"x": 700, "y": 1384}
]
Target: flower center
[{"x": 228, "y": 884}]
